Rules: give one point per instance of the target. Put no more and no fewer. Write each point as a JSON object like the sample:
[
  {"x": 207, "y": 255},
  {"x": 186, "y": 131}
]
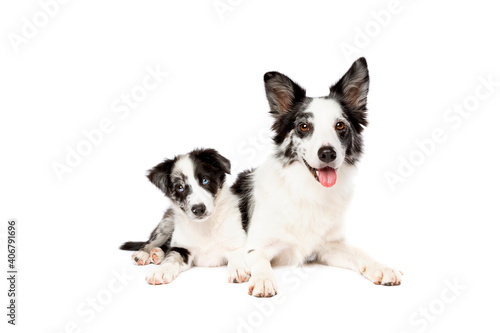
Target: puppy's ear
[
  {"x": 212, "y": 157},
  {"x": 282, "y": 93},
  {"x": 160, "y": 175},
  {"x": 352, "y": 91}
]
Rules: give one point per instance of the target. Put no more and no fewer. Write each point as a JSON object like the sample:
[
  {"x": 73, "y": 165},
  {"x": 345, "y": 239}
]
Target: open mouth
[{"x": 326, "y": 176}]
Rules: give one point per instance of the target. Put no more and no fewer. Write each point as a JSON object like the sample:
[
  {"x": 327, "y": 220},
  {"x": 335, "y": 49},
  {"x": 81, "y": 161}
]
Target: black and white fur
[
  {"x": 294, "y": 203},
  {"x": 202, "y": 228}
]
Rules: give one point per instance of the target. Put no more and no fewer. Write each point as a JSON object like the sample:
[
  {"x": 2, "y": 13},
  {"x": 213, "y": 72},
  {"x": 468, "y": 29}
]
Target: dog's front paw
[
  {"x": 380, "y": 274},
  {"x": 162, "y": 275},
  {"x": 141, "y": 258},
  {"x": 157, "y": 255},
  {"x": 238, "y": 275},
  {"x": 262, "y": 286}
]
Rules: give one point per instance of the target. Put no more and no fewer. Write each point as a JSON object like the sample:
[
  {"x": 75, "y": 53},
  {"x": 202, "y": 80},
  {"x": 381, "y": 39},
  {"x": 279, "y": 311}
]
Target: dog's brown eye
[
  {"x": 304, "y": 127},
  {"x": 340, "y": 126},
  {"x": 179, "y": 188}
]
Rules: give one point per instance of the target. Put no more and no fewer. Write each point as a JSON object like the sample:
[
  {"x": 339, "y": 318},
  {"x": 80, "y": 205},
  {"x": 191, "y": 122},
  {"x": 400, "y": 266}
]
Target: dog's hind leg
[
  {"x": 340, "y": 254},
  {"x": 151, "y": 251},
  {"x": 177, "y": 260}
]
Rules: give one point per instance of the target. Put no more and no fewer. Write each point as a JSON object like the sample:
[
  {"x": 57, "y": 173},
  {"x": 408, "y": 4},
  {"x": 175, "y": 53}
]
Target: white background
[{"x": 439, "y": 225}]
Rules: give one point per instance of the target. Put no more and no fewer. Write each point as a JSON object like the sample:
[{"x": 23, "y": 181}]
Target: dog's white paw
[
  {"x": 157, "y": 255},
  {"x": 238, "y": 275},
  {"x": 141, "y": 258},
  {"x": 262, "y": 286},
  {"x": 162, "y": 275},
  {"x": 380, "y": 274}
]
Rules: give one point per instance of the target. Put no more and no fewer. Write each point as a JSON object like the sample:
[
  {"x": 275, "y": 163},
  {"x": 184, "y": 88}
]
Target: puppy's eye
[
  {"x": 340, "y": 126},
  {"x": 303, "y": 127},
  {"x": 204, "y": 181},
  {"x": 179, "y": 188}
]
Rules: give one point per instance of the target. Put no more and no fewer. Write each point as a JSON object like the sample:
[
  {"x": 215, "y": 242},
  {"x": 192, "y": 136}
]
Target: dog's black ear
[
  {"x": 282, "y": 93},
  {"x": 212, "y": 157},
  {"x": 352, "y": 91},
  {"x": 160, "y": 175}
]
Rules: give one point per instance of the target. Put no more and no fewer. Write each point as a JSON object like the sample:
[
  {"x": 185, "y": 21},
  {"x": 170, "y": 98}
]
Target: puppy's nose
[
  {"x": 327, "y": 154},
  {"x": 199, "y": 210}
]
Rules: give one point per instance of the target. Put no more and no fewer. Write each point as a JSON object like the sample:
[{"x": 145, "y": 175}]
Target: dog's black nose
[
  {"x": 327, "y": 154},
  {"x": 199, "y": 210}
]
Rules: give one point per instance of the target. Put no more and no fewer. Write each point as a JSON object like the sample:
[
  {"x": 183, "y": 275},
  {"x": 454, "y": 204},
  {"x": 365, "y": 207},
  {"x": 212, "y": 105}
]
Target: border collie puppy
[
  {"x": 294, "y": 203},
  {"x": 202, "y": 228}
]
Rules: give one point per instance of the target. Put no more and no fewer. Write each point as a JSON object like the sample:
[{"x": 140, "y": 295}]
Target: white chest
[
  {"x": 202, "y": 240},
  {"x": 296, "y": 214}
]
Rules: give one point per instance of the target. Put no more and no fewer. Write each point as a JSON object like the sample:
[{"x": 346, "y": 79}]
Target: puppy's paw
[
  {"x": 157, "y": 255},
  {"x": 238, "y": 275},
  {"x": 380, "y": 274},
  {"x": 262, "y": 286},
  {"x": 162, "y": 275},
  {"x": 141, "y": 258}
]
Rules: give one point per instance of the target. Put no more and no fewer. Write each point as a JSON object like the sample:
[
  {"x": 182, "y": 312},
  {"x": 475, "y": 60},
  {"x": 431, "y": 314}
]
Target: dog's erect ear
[
  {"x": 282, "y": 93},
  {"x": 160, "y": 175},
  {"x": 352, "y": 88},
  {"x": 212, "y": 157}
]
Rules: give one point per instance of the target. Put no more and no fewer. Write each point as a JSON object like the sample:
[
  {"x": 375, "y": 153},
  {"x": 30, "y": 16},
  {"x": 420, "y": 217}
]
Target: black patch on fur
[
  {"x": 184, "y": 253},
  {"x": 288, "y": 153},
  {"x": 243, "y": 188},
  {"x": 250, "y": 251},
  {"x": 179, "y": 197},
  {"x": 288, "y": 103},
  {"x": 351, "y": 92},
  {"x": 209, "y": 164},
  {"x": 304, "y": 118},
  {"x": 282, "y": 93},
  {"x": 136, "y": 246},
  {"x": 288, "y": 122},
  {"x": 165, "y": 247},
  {"x": 160, "y": 175},
  {"x": 286, "y": 100},
  {"x": 132, "y": 246}
]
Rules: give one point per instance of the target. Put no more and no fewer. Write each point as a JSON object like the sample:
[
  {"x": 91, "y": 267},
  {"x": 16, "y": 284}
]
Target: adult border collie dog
[
  {"x": 202, "y": 228},
  {"x": 294, "y": 203}
]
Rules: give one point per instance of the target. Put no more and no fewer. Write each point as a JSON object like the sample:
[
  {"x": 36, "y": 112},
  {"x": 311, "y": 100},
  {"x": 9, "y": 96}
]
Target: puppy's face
[
  {"x": 192, "y": 181},
  {"x": 321, "y": 133}
]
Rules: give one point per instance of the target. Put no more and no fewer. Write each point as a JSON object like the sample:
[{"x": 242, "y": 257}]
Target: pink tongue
[{"x": 327, "y": 177}]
